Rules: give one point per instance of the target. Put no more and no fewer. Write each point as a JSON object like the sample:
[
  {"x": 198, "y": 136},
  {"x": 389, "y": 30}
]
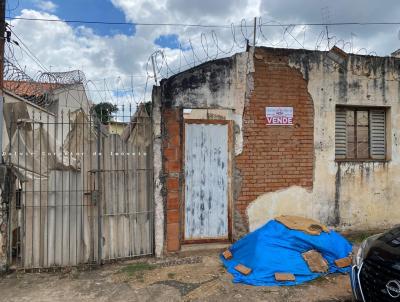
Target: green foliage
[
  {"x": 133, "y": 269},
  {"x": 104, "y": 111}
]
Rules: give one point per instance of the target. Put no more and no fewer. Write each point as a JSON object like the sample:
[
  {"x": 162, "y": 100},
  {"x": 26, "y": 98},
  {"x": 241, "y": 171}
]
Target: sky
[{"x": 116, "y": 58}]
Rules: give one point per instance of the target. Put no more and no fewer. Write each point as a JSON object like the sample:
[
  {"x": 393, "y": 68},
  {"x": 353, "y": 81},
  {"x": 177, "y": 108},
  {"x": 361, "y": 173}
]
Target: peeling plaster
[
  {"x": 294, "y": 200},
  {"x": 219, "y": 84},
  {"x": 214, "y": 90},
  {"x": 359, "y": 195}
]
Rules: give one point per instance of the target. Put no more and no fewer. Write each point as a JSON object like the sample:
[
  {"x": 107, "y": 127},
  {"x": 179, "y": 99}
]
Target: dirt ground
[{"x": 195, "y": 278}]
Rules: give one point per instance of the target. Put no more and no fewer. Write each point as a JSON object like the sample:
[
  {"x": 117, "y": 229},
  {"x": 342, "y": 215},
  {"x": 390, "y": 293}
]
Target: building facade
[{"x": 241, "y": 140}]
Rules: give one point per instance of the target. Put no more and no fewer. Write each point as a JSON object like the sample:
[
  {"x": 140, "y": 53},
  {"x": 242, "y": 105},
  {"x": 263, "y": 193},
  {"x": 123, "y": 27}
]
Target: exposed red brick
[
  {"x": 275, "y": 157},
  {"x": 172, "y": 184},
  {"x": 171, "y": 153},
  {"x": 173, "y": 243},
  {"x": 171, "y": 118},
  {"x": 173, "y": 166},
  {"x": 172, "y": 200},
  {"x": 172, "y": 216}
]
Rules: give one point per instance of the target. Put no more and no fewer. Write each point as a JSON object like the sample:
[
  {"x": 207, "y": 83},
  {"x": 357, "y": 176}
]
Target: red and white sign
[{"x": 279, "y": 115}]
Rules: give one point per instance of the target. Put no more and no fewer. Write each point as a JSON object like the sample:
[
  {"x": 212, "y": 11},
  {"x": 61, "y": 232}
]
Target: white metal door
[{"x": 206, "y": 181}]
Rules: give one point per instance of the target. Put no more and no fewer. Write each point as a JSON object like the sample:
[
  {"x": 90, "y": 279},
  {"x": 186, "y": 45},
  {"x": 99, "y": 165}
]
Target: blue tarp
[{"x": 275, "y": 248}]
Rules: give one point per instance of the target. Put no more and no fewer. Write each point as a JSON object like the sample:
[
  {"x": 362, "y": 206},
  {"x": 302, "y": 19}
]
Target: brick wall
[
  {"x": 275, "y": 157},
  {"x": 171, "y": 152}
]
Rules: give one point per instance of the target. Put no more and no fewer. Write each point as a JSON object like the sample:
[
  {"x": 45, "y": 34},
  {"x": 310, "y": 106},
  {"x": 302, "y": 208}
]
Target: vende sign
[{"x": 279, "y": 115}]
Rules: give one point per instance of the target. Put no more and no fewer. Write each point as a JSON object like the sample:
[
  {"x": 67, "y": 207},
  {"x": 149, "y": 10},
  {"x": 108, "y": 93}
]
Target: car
[{"x": 375, "y": 273}]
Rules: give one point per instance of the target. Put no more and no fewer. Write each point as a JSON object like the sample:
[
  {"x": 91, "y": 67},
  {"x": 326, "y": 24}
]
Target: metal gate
[{"x": 80, "y": 194}]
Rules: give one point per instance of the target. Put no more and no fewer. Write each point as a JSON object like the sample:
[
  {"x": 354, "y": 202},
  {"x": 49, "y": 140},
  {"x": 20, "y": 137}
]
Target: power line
[
  {"x": 30, "y": 53},
  {"x": 118, "y": 23},
  {"x": 267, "y": 24}
]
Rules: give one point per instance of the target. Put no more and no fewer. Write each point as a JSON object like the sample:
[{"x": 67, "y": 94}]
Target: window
[{"x": 360, "y": 133}]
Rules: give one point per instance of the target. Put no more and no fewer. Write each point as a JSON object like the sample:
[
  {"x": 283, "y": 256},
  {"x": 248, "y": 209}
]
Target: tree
[{"x": 104, "y": 111}]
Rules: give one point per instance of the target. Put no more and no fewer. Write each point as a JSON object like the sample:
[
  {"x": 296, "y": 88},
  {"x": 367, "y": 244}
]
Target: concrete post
[{"x": 157, "y": 172}]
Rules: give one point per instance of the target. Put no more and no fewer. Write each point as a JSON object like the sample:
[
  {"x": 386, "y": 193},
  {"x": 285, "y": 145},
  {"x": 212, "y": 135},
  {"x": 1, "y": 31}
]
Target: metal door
[{"x": 207, "y": 185}]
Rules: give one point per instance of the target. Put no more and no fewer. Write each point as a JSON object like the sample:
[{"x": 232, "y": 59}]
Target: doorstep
[{"x": 203, "y": 246}]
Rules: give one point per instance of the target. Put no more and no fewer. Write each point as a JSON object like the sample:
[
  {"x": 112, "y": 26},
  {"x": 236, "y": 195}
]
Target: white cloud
[
  {"x": 64, "y": 48},
  {"x": 47, "y": 6},
  {"x": 123, "y": 59}
]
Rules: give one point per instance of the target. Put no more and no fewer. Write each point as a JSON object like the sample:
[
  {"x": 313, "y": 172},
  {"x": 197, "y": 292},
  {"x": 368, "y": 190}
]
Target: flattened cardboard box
[
  {"x": 243, "y": 269},
  {"x": 227, "y": 255},
  {"x": 343, "y": 262},
  {"x": 316, "y": 263},
  {"x": 284, "y": 277}
]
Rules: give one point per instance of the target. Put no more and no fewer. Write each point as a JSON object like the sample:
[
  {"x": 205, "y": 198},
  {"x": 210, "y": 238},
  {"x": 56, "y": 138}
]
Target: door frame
[{"x": 229, "y": 123}]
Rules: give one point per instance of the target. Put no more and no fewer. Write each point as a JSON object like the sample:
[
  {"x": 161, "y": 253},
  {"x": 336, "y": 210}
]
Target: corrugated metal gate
[{"x": 80, "y": 195}]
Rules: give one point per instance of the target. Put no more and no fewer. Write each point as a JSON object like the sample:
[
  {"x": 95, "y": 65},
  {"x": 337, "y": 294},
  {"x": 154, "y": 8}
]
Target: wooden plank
[
  {"x": 343, "y": 262},
  {"x": 315, "y": 261},
  {"x": 243, "y": 269},
  {"x": 227, "y": 254},
  {"x": 284, "y": 277}
]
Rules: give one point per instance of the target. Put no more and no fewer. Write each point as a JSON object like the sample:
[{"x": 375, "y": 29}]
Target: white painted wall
[
  {"x": 231, "y": 93},
  {"x": 368, "y": 194},
  {"x": 67, "y": 100}
]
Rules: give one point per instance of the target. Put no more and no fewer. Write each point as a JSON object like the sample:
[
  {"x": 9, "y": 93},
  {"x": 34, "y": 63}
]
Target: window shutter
[
  {"x": 377, "y": 134},
  {"x": 340, "y": 134}
]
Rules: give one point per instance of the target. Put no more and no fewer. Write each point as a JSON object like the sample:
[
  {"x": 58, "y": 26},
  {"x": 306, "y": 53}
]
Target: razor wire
[{"x": 37, "y": 89}]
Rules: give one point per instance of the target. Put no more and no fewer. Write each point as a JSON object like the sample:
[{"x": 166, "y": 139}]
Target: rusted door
[{"x": 207, "y": 163}]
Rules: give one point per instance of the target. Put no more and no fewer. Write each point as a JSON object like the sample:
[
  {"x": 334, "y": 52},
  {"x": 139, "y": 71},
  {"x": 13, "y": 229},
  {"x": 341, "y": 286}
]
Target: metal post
[
  {"x": 9, "y": 226},
  {"x": 2, "y": 42},
  {"x": 154, "y": 68},
  {"x": 10, "y": 189},
  {"x": 98, "y": 199},
  {"x": 327, "y": 36},
  {"x": 255, "y": 31}
]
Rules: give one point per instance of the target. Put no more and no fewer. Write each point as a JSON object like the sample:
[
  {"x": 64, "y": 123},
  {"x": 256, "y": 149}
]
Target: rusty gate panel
[{"x": 206, "y": 181}]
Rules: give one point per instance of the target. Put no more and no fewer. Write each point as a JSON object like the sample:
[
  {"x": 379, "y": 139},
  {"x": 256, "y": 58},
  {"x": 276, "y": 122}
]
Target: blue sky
[
  {"x": 102, "y": 10},
  {"x": 124, "y": 52},
  {"x": 92, "y": 10}
]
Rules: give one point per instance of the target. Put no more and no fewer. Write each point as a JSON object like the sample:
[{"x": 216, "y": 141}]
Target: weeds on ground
[
  {"x": 359, "y": 237},
  {"x": 137, "y": 270},
  {"x": 171, "y": 275}
]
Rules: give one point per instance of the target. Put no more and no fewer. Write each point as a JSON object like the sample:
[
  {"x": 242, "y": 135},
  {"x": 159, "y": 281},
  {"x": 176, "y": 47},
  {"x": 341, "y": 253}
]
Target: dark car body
[{"x": 377, "y": 276}]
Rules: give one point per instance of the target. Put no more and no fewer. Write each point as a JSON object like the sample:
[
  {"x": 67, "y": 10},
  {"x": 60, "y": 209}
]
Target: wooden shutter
[
  {"x": 340, "y": 134},
  {"x": 378, "y": 134}
]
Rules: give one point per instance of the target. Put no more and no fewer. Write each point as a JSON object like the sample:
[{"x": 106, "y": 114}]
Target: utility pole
[
  {"x": 2, "y": 42},
  {"x": 5, "y": 200}
]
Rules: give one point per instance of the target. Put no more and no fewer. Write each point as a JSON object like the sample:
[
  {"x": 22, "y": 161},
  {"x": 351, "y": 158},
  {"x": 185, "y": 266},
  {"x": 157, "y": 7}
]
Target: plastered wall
[
  {"x": 214, "y": 90},
  {"x": 348, "y": 195},
  {"x": 288, "y": 169}
]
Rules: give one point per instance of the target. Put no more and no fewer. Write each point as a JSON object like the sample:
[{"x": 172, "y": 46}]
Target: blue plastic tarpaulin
[{"x": 274, "y": 248}]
